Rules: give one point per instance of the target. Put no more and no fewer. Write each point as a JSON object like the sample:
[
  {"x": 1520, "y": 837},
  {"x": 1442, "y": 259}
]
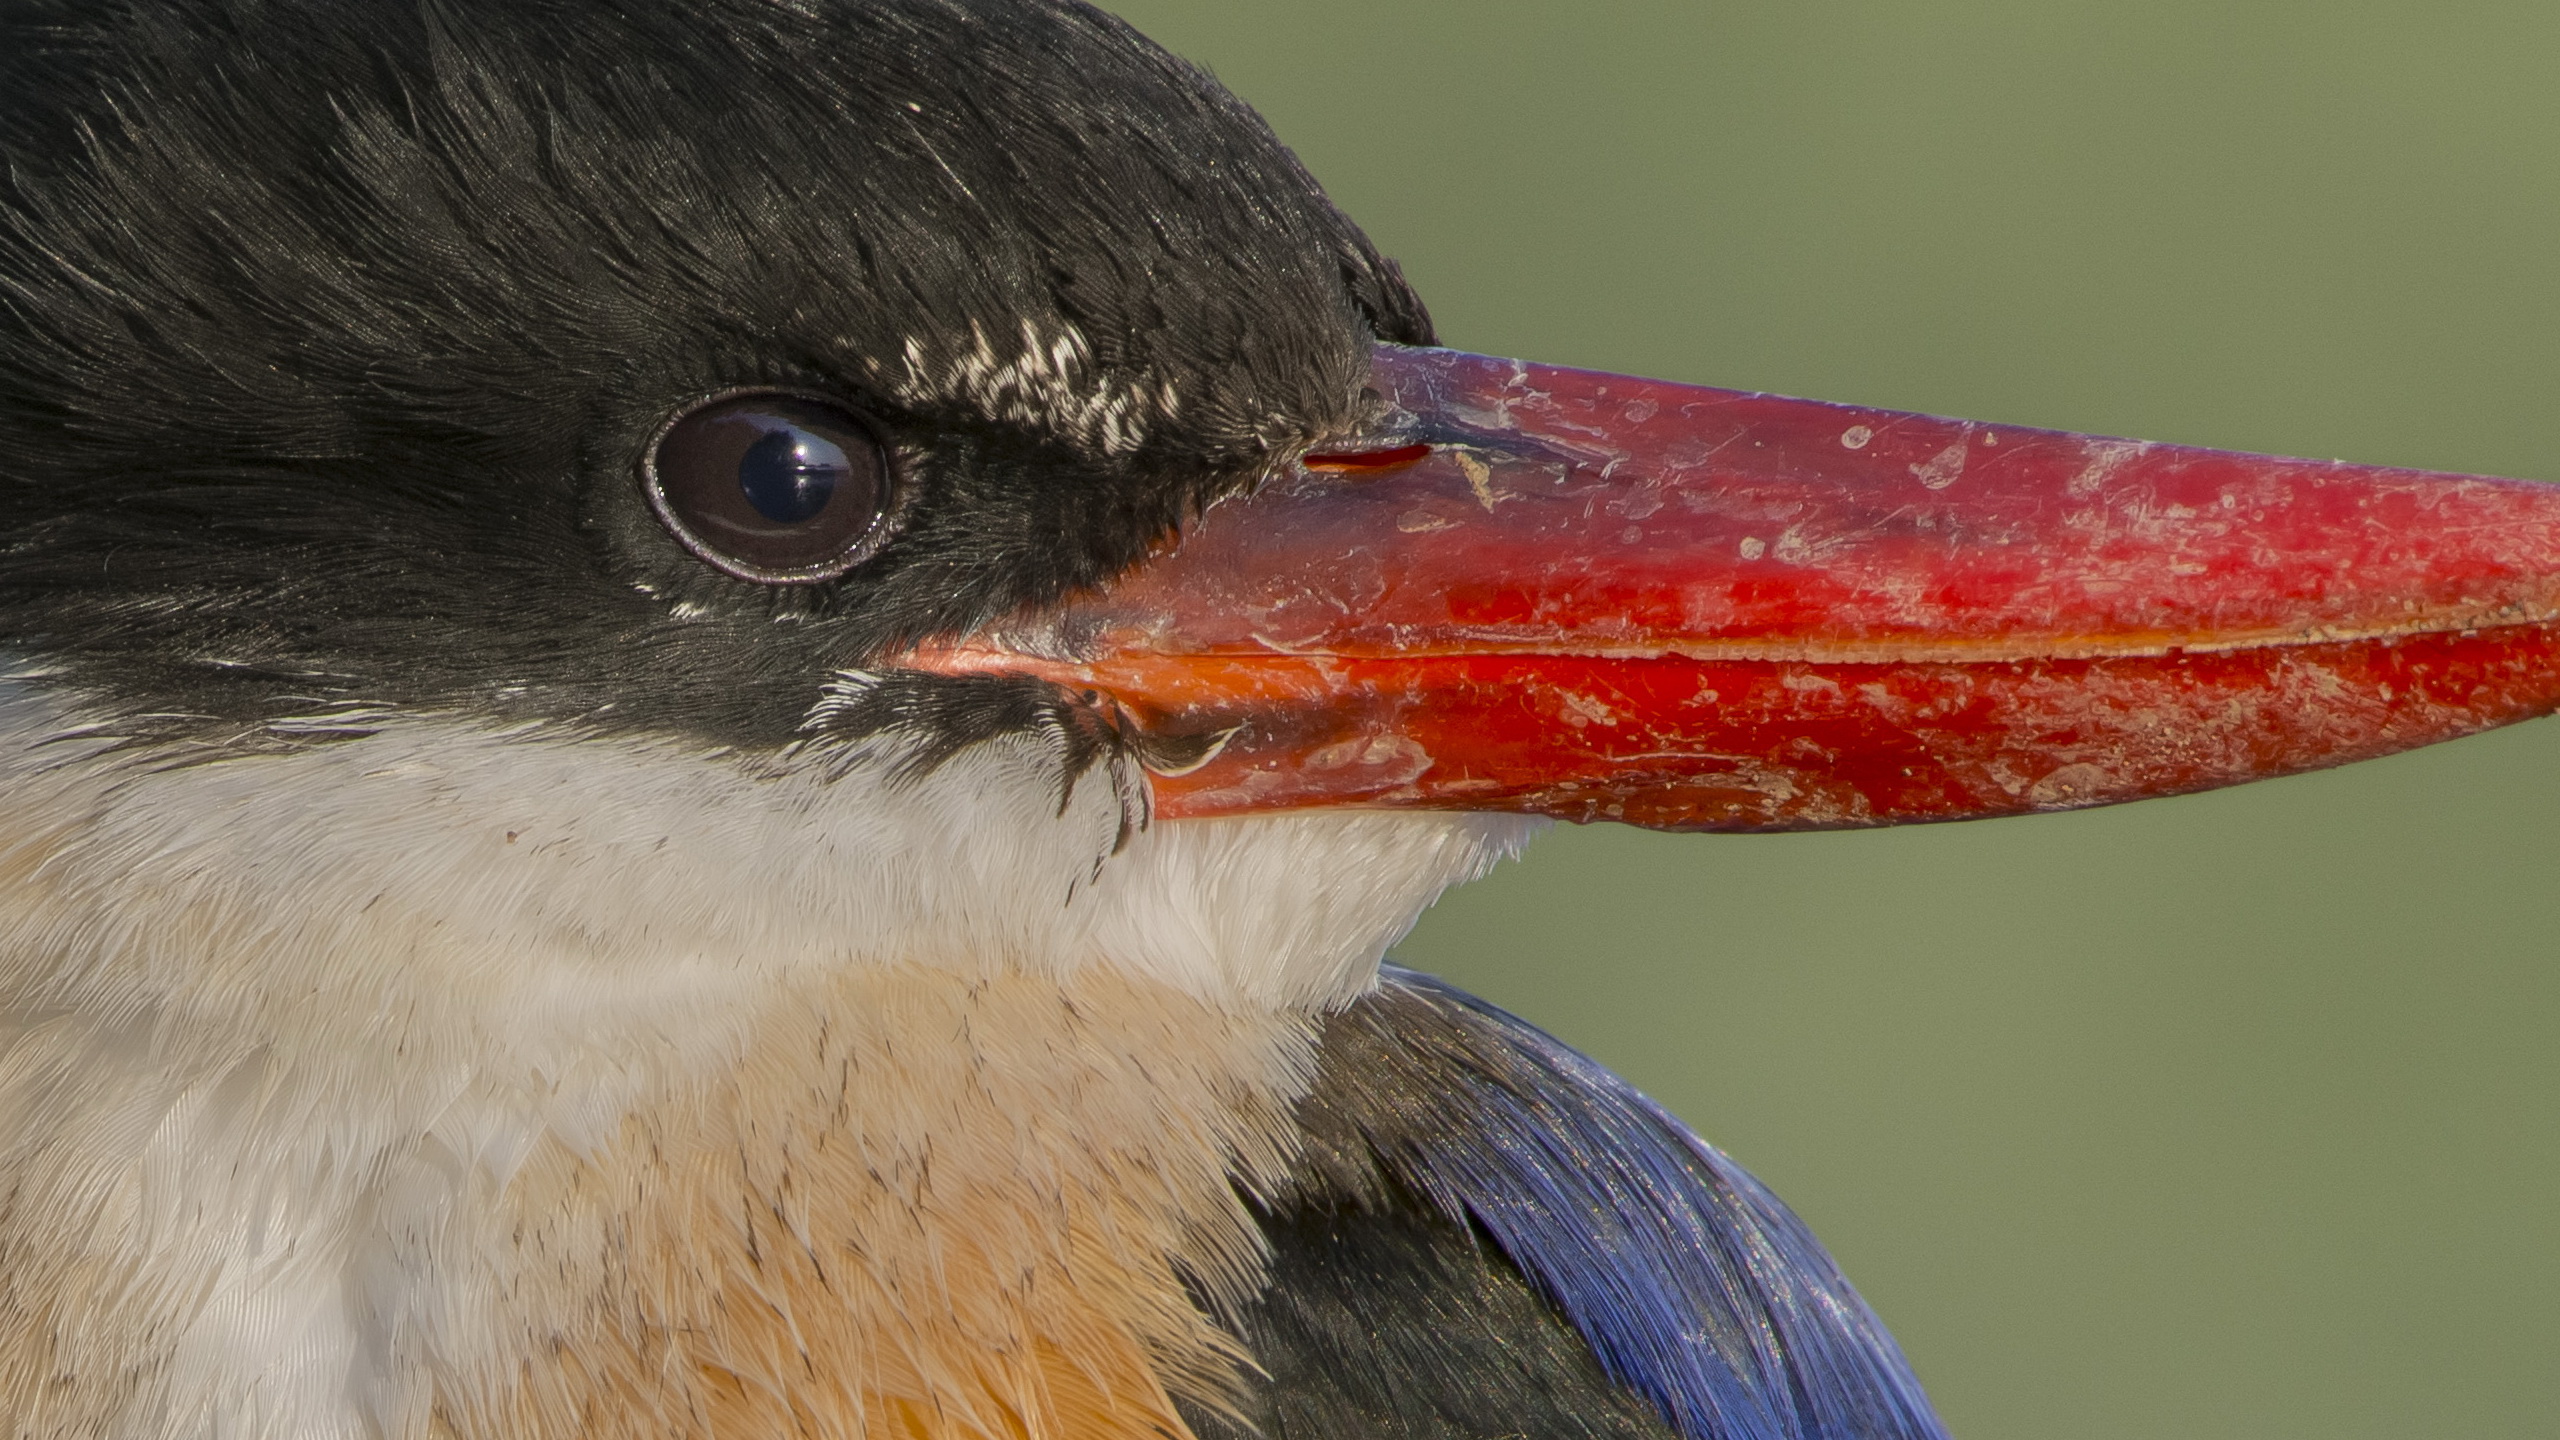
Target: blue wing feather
[{"x": 1691, "y": 1283}]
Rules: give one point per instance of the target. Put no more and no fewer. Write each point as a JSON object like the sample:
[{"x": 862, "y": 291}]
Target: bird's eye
[{"x": 781, "y": 489}]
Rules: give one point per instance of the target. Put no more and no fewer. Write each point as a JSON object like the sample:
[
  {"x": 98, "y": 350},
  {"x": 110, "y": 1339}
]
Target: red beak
[{"x": 1573, "y": 594}]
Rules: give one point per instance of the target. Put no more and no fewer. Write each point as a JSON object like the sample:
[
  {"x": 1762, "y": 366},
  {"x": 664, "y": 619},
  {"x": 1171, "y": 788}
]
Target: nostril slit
[{"x": 1355, "y": 462}]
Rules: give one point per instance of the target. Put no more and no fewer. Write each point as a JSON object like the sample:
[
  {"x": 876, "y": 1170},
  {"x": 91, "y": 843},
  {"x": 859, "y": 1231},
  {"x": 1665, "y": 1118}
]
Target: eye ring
[{"x": 774, "y": 486}]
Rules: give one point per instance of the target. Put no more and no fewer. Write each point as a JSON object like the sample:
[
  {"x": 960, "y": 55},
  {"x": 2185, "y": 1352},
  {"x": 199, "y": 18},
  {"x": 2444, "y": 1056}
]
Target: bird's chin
[{"x": 1288, "y": 911}]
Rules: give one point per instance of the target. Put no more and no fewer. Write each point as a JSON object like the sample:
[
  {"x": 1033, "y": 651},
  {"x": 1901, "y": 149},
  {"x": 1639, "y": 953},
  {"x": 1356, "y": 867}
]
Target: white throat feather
[{"x": 273, "y": 1029}]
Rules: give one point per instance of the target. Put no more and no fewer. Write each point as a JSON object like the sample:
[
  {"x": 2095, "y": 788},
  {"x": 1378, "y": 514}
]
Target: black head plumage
[{"x": 332, "y": 331}]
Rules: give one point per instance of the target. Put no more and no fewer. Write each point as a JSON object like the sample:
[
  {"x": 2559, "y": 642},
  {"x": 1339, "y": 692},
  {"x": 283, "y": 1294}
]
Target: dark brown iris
[{"x": 772, "y": 487}]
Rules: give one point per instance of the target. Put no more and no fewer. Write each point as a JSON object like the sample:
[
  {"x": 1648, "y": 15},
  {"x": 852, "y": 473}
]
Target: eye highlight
[{"x": 773, "y": 487}]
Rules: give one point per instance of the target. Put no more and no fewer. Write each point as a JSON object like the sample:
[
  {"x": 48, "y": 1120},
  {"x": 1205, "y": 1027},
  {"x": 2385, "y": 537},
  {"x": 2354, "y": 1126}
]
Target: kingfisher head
[
  {"x": 602, "y": 491},
  {"x": 493, "y": 462}
]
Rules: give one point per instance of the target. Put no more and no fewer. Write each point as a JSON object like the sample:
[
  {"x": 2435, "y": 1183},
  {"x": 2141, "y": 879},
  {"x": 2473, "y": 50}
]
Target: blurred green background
[{"x": 2231, "y": 1116}]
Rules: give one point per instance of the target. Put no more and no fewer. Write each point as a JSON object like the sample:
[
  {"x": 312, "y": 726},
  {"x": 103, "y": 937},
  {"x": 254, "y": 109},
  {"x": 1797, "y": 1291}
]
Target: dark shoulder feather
[
  {"x": 1399, "y": 1323},
  {"x": 1489, "y": 1235}
]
